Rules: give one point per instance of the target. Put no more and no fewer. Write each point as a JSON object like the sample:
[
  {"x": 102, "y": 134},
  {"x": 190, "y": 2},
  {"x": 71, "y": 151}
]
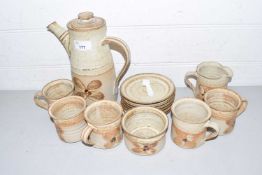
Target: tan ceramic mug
[
  {"x": 104, "y": 128},
  {"x": 190, "y": 123},
  {"x": 226, "y": 106},
  {"x": 208, "y": 75},
  {"x": 53, "y": 91},
  {"x": 145, "y": 130},
  {"x": 68, "y": 116}
]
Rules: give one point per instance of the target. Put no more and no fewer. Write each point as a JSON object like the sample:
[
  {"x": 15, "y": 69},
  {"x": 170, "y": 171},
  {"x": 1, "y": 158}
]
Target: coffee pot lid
[{"x": 86, "y": 21}]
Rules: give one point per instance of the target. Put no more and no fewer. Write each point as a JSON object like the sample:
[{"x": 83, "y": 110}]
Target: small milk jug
[
  {"x": 92, "y": 66},
  {"x": 208, "y": 75}
]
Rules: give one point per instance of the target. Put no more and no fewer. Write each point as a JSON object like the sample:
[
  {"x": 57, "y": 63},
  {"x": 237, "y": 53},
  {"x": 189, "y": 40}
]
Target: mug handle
[
  {"x": 242, "y": 107},
  {"x": 190, "y": 75},
  {"x": 120, "y": 46},
  {"x": 40, "y": 100},
  {"x": 211, "y": 134},
  {"x": 86, "y": 134}
]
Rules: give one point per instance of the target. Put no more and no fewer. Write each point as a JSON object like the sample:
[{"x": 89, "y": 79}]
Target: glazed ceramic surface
[
  {"x": 104, "y": 124},
  {"x": 209, "y": 75},
  {"x": 190, "y": 121},
  {"x": 68, "y": 116},
  {"x": 226, "y": 106},
  {"x": 91, "y": 60},
  {"x": 147, "y": 89},
  {"x": 144, "y": 130},
  {"x": 53, "y": 91}
]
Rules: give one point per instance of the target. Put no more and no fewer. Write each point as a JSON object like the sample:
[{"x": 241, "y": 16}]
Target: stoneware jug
[
  {"x": 92, "y": 66},
  {"x": 208, "y": 75}
]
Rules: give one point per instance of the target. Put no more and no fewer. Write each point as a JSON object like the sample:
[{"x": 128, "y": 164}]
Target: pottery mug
[
  {"x": 226, "y": 105},
  {"x": 190, "y": 123},
  {"x": 68, "y": 116},
  {"x": 208, "y": 75},
  {"x": 103, "y": 129},
  {"x": 53, "y": 91},
  {"x": 145, "y": 130}
]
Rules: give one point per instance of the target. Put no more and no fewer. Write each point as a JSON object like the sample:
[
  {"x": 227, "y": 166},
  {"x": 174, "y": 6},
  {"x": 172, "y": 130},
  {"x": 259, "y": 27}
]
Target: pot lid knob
[{"x": 85, "y": 15}]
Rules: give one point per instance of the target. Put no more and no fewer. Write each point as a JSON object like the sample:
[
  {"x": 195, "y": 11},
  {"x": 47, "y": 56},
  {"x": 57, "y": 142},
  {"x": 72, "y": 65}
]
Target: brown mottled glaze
[
  {"x": 230, "y": 125},
  {"x": 186, "y": 139},
  {"x": 226, "y": 105},
  {"x": 113, "y": 137},
  {"x": 208, "y": 75},
  {"x": 145, "y": 148}
]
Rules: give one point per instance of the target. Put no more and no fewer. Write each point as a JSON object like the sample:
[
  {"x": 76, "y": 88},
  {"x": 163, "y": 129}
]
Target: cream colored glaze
[
  {"x": 134, "y": 90},
  {"x": 226, "y": 106},
  {"x": 89, "y": 51},
  {"x": 104, "y": 128},
  {"x": 144, "y": 130},
  {"x": 53, "y": 91},
  {"x": 68, "y": 116},
  {"x": 107, "y": 79},
  {"x": 190, "y": 120},
  {"x": 208, "y": 75}
]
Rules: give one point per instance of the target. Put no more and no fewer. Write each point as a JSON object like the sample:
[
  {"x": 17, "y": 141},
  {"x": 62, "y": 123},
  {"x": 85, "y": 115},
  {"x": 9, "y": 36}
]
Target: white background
[{"x": 168, "y": 36}]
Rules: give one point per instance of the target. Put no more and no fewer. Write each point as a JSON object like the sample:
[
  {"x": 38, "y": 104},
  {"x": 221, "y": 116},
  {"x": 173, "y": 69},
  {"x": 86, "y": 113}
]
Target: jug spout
[{"x": 61, "y": 34}]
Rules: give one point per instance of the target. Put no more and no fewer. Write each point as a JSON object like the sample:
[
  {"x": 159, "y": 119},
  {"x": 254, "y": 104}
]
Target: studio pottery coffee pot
[{"x": 92, "y": 66}]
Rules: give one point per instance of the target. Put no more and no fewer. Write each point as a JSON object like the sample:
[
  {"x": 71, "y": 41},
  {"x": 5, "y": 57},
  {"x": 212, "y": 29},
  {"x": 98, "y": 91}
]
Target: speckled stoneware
[
  {"x": 208, "y": 75},
  {"x": 89, "y": 49},
  {"x": 226, "y": 105},
  {"x": 104, "y": 128},
  {"x": 53, "y": 91},
  {"x": 145, "y": 130},
  {"x": 147, "y": 89},
  {"x": 68, "y": 116},
  {"x": 190, "y": 121}
]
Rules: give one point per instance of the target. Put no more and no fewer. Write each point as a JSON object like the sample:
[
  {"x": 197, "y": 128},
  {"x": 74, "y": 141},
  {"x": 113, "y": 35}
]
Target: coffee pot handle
[
  {"x": 190, "y": 75},
  {"x": 120, "y": 46},
  {"x": 40, "y": 100}
]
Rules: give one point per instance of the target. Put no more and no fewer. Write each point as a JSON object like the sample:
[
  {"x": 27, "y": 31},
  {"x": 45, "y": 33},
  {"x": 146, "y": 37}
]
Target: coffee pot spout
[{"x": 61, "y": 34}]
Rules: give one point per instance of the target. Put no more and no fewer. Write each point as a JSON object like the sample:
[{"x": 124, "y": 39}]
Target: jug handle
[
  {"x": 120, "y": 46},
  {"x": 229, "y": 72},
  {"x": 191, "y": 75}
]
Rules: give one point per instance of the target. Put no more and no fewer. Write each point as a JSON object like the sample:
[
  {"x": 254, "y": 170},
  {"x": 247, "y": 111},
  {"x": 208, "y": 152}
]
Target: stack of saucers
[{"x": 147, "y": 89}]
